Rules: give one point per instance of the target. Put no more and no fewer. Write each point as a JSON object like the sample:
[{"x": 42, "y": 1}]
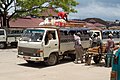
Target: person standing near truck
[
  {"x": 109, "y": 48},
  {"x": 78, "y": 48},
  {"x": 115, "y": 71}
]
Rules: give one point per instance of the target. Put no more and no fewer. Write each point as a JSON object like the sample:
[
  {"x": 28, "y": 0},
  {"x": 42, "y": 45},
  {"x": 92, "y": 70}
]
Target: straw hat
[
  {"x": 78, "y": 34},
  {"x": 110, "y": 35}
]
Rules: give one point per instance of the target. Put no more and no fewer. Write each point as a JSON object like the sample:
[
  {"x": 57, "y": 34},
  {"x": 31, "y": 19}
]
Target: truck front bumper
[{"x": 30, "y": 58}]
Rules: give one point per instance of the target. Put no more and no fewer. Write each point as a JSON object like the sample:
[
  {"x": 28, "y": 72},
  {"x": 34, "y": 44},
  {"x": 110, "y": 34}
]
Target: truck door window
[
  {"x": 50, "y": 35},
  {"x": 15, "y": 32},
  {"x": 1, "y": 32}
]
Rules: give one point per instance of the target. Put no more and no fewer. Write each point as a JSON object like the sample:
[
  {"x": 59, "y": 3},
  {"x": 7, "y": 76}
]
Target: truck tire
[
  {"x": 72, "y": 56},
  {"x": 2, "y": 45},
  {"x": 14, "y": 44},
  {"x": 52, "y": 59}
]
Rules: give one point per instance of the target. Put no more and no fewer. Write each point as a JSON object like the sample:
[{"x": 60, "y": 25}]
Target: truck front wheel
[
  {"x": 73, "y": 56},
  {"x": 2, "y": 45},
  {"x": 52, "y": 59},
  {"x": 14, "y": 44}
]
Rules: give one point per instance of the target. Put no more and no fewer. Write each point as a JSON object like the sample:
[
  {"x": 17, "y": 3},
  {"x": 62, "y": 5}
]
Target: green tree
[
  {"x": 27, "y": 7},
  {"x": 5, "y": 6}
]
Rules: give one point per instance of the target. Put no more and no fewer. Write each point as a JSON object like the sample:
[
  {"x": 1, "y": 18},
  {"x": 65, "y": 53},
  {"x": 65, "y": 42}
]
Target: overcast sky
[{"x": 104, "y": 9}]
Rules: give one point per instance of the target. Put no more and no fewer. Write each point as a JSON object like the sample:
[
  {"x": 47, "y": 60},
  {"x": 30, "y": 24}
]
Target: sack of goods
[{"x": 96, "y": 49}]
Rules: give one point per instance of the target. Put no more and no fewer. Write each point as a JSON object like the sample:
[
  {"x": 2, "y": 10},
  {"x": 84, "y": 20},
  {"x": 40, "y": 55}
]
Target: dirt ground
[{"x": 12, "y": 68}]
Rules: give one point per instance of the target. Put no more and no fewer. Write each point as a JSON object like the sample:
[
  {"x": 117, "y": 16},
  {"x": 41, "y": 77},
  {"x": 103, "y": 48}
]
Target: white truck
[
  {"x": 34, "y": 45},
  {"x": 103, "y": 34},
  {"x": 9, "y": 37}
]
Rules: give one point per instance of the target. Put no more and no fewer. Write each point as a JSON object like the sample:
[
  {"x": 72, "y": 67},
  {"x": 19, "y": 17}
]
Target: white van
[
  {"x": 10, "y": 37},
  {"x": 34, "y": 45}
]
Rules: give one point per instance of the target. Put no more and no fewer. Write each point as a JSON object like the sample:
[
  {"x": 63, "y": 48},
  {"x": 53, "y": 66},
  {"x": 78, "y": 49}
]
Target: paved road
[{"x": 12, "y": 68}]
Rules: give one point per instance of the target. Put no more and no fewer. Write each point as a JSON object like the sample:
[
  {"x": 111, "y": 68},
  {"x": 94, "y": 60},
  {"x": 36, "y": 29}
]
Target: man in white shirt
[{"x": 78, "y": 48}]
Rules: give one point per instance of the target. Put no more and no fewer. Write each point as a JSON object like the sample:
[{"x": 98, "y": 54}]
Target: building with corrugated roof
[{"x": 27, "y": 22}]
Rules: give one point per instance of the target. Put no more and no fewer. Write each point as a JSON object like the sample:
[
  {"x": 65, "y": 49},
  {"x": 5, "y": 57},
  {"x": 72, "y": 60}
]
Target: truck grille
[
  {"x": 26, "y": 51},
  {"x": 28, "y": 54}
]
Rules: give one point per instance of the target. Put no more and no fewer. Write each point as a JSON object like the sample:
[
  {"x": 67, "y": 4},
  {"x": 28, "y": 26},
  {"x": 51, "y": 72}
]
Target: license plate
[{"x": 26, "y": 57}]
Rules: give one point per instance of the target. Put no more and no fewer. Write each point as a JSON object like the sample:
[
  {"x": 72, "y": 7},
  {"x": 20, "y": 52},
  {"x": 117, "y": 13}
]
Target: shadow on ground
[
  {"x": 9, "y": 47},
  {"x": 42, "y": 64},
  {"x": 64, "y": 61},
  {"x": 101, "y": 64}
]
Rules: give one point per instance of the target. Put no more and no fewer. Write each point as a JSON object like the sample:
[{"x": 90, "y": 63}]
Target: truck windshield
[
  {"x": 32, "y": 35},
  {"x": 1, "y": 32}
]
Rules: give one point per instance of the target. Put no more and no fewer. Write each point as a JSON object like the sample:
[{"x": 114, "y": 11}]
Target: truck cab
[{"x": 35, "y": 45}]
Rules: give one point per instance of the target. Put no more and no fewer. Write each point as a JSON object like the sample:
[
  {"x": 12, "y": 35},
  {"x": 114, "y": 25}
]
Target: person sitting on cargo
[
  {"x": 63, "y": 15},
  {"x": 78, "y": 48}
]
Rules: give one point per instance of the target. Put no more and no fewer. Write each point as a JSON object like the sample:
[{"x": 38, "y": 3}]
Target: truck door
[
  {"x": 2, "y": 38},
  {"x": 2, "y": 35},
  {"x": 50, "y": 42}
]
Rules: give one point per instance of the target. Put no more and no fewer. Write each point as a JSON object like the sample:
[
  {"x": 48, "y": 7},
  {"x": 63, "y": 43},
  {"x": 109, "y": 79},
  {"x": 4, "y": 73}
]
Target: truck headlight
[
  {"x": 3, "y": 37},
  {"x": 36, "y": 55},
  {"x": 20, "y": 39},
  {"x": 20, "y": 53}
]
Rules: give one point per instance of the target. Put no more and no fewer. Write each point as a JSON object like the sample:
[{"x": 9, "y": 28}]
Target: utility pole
[{"x": 1, "y": 21}]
